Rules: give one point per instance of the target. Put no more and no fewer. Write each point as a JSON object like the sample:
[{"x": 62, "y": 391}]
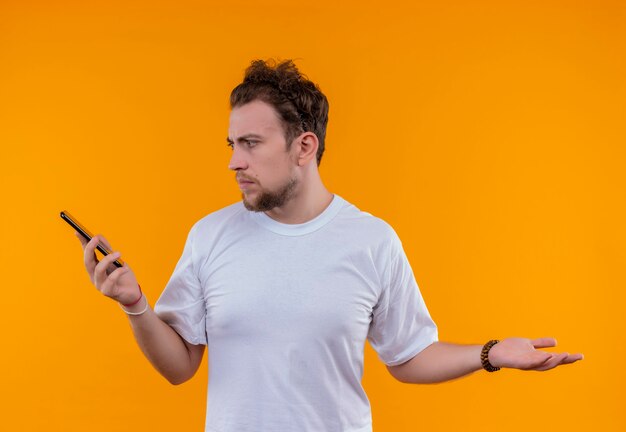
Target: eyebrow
[{"x": 244, "y": 138}]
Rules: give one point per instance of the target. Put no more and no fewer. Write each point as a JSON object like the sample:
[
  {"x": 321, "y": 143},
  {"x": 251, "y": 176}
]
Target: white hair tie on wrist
[{"x": 136, "y": 313}]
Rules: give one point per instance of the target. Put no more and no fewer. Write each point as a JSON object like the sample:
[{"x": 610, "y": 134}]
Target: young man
[{"x": 286, "y": 286}]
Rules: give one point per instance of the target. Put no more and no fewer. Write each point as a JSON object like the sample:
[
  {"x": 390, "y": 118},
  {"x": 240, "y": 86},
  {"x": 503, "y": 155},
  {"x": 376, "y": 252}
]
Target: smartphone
[{"x": 87, "y": 235}]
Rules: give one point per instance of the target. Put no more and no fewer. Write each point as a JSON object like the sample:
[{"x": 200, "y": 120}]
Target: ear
[{"x": 308, "y": 148}]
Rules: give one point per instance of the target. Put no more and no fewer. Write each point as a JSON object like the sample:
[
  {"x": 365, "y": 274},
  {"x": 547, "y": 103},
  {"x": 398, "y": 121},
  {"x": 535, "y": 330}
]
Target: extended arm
[
  {"x": 443, "y": 361},
  {"x": 176, "y": 359}
]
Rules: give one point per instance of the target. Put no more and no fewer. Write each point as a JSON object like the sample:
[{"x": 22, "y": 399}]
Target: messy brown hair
[{"x": 300, "y": 104}]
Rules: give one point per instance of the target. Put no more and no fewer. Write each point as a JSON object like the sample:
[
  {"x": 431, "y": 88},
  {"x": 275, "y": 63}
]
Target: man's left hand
[{"x": 521, "y": 353}]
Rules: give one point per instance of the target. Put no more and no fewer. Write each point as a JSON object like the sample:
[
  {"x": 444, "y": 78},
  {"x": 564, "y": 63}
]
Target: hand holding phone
[
  {"x": 86, "y": 234},
  {"x": 111, "y": 276}
]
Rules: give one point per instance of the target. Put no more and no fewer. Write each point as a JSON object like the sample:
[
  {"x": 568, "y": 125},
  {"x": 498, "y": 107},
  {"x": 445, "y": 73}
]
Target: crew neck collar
[{"x": 304, "y": 228}]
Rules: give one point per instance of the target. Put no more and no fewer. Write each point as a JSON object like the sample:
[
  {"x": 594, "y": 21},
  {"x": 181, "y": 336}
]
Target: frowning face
[{"x": 265, "y": 169}]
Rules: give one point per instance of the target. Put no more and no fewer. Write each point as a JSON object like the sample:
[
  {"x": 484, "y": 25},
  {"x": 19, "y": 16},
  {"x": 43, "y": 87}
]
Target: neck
[{"x": 308, "y": 202}]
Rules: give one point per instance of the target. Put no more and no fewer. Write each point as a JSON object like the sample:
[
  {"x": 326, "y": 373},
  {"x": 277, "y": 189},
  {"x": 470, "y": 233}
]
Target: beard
[{"x": 268, "y": 200}]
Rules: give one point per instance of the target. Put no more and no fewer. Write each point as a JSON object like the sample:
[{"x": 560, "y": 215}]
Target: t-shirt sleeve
[
  {"x": 401, "y": 325},
  {"x": 181, "y": 305}
]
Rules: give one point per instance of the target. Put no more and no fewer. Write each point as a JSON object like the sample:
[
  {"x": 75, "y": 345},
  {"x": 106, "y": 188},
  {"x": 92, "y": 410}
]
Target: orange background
[{"x": 489, "y": 134}]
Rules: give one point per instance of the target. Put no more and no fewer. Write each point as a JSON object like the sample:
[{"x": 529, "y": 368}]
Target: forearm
[
  {"x": 439, "y": 362},
  {"x": 163, "y": 347}
]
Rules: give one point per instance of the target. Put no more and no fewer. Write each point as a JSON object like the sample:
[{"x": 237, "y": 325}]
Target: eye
[{"x": 248, "y": 143}]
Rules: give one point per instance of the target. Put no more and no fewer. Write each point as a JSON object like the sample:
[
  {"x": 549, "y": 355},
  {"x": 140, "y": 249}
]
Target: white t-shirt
[{"x": 285, "y": 311}]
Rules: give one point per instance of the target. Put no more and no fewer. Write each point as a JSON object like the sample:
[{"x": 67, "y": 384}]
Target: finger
[
  {"x": 100, "y": 271},
  {"x": 572, "y": 358},
  {"x": 539, "y": 359},
  {"x": 529, "y": 361},
  {"x": 105, "y": 242},
  {"x": 556, "y": 360},
  {"x": 83, "y": 240},
  {"x": 111, "y": 280},
  {"x": 562, "y": 359},
  {"x": 545, "y": 342},
  {"x": 89, "y": 256},
  {"x": 111, "y": 266}
]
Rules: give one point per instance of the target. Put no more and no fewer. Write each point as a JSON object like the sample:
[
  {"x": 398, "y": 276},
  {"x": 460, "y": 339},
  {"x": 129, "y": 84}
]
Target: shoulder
[
  {"x": 359, "y": 219},
  {"x": 364, "y": 224},
  {"x": 219, "y": 219}
]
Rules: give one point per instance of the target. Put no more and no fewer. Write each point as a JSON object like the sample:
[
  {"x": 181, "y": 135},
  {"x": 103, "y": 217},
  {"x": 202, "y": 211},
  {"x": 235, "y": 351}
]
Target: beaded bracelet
[{"x": 484, "y": 356}]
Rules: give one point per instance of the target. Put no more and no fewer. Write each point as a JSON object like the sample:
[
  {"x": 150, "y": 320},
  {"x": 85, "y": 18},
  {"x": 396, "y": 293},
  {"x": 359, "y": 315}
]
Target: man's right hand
[
  {"x": 174, "y": 357},
  {"x": 118, "y": 283}
]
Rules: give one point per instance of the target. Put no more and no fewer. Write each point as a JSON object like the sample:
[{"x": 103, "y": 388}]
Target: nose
[{"x": 237, "y": 161}]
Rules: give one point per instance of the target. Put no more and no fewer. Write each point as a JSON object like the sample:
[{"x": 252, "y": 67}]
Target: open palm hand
[{"x": 522, "y": 353}]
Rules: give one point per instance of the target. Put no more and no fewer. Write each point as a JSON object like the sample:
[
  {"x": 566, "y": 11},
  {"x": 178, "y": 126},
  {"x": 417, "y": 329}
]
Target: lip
[{"x": 244, "y": 183}]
